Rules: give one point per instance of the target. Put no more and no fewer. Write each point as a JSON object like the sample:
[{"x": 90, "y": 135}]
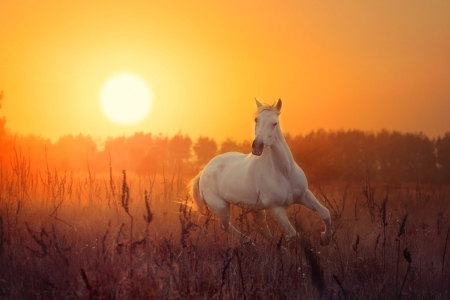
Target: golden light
[{"x": 126, "y": 99}]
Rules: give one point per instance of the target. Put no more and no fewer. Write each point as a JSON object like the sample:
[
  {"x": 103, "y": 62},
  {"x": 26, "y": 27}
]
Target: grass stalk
[
  {"x": 443, "y": 259},
  {"x": 125, "y": 204},
  {"x": 407, "y": 256}
]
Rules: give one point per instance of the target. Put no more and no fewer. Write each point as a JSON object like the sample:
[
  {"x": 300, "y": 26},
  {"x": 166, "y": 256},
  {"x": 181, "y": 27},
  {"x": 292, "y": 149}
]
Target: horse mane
[{"x": 272, "y": 108}]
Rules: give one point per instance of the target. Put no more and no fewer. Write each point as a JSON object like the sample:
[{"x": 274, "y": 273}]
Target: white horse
[{"x": 268, "y": 178}]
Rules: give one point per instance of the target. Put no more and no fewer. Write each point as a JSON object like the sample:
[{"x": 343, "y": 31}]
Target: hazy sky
[{"x": 368, "y": 65}]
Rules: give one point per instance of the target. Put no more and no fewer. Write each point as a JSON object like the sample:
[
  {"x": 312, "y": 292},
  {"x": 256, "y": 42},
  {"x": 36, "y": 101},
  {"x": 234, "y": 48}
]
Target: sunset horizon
[{"x": 349, "y": 66}]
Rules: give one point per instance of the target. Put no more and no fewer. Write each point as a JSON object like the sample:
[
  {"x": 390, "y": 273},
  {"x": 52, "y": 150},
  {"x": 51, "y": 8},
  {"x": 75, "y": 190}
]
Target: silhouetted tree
[
  {"x": 5, "y": 142},
  {"x": 74, "y": 152},
  {"x": 443, "y": 157},
  {"x": 315, "y": 154},
  {"x": 180, "y": 148},
  {"x": 205, "y": 149},
  {"x": 232, "y": 146},
  {"x": 391, "y": 156},
  {"x": 405, "y": 157}
]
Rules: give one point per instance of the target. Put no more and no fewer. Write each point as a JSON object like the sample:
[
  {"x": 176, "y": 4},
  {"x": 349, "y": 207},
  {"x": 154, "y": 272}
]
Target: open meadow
[
  {"x": 120, "y": 119},
  {"x": 118, "y": 235}
]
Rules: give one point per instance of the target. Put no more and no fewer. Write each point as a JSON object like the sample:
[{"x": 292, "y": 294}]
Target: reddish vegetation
[{"x": 84, "y": 235}]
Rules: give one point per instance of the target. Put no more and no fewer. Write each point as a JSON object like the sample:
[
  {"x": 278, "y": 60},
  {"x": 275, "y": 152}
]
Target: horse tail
[{"x": 194, "y": 191}]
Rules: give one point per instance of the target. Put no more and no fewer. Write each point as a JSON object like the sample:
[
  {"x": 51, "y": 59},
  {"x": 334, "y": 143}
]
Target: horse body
[{"x": 268, "y": 178}]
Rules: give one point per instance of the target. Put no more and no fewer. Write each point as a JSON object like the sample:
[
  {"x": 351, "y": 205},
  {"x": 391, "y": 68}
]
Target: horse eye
[
  {"x": 256, "y": 120},
  {"x": 275, "y": 124}
]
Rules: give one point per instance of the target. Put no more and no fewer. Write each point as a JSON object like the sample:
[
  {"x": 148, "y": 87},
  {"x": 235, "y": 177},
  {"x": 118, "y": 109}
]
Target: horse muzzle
[{"x": 257, "y": 147}]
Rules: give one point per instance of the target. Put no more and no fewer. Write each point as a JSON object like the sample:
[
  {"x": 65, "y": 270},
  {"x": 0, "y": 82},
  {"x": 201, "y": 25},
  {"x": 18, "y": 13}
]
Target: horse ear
[
  {"x": 258, "y": 104},
  {"x": 278, "y": 106}
]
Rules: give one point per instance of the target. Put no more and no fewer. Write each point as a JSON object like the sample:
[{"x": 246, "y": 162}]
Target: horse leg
[
  {"x": 311, "y": 202},
  {"x": 225, "y": 224},
  {"x": 260, "y": 219},
  {"x": 222, "y": 210},
  {"x": 280, "y": 215}
]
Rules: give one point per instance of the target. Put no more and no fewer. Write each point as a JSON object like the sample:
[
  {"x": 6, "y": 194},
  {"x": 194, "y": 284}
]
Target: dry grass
[{"x": 120, "y": 236}]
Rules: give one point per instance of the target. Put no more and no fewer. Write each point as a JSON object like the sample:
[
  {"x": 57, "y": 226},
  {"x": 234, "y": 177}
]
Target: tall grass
[{"x": 75, "y": 235}]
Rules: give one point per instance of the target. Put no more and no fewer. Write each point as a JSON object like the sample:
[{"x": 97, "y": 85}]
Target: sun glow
[{"x": 126, "y": 99}]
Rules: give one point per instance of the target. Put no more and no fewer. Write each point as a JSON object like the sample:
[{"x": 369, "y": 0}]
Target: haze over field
[{"x": 366, "y": 65}]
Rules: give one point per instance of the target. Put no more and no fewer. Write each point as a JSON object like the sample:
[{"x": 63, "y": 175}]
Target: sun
[{"x": 125, "y": 99}]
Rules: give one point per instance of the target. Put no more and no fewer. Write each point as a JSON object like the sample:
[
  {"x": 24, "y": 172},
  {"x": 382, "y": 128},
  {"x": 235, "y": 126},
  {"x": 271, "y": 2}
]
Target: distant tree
[
  {"x": 388, "y": 156},
  {"x": 443, "y": 157},
  {"x": 228, "y": 146},
  {"x": 232, "y": 146},
  {"x": 38, "y": 149},
  {"x": 405, "y": 157},
  {"x": 205, "y": 149},
  {"x": 354, "y": 154},
  {"x": 5, "y": 144},
  {"x": 180, "y": 148},
  {"x": 141, "y": 152},
  {"x": 116, "y": 149},
  {"x": 161, "y": 148},
  {"x": 75, "y": 152},
  {"x": 422, "y": 156},
  {"x": 2, "y": 120},
  {"x": 315, "y": 154},
  {"x": 2, "y": 124}
]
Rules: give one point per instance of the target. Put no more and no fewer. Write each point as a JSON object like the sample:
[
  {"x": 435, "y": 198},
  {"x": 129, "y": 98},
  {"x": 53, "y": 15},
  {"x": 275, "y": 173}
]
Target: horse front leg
[
  {"x": 260, "y": 219},
  {"x": 311, "y": 202}
]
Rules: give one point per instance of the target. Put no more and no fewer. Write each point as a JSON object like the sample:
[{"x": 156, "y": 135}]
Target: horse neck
[{"x": 281, "y": 154}]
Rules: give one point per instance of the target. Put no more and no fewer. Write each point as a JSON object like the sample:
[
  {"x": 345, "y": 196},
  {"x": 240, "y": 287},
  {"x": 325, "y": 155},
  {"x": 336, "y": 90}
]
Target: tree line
[{"x": 323, "y": 155}]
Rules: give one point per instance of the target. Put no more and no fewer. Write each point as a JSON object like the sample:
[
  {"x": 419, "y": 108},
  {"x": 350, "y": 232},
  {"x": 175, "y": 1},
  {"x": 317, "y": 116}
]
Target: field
[{"x": 122, "y": 236}]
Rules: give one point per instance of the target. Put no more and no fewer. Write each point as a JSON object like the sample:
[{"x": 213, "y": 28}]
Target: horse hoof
[{"x": 324, "y": 239}]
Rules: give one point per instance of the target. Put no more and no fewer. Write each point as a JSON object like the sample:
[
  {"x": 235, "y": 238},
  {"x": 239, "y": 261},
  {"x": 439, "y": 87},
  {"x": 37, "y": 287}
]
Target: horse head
[{"x": 266, "y": 123}]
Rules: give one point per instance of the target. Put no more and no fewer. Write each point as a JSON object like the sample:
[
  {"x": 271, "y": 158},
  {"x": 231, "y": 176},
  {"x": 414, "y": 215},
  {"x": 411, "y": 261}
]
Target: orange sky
[{"x": 368, "y": 65}]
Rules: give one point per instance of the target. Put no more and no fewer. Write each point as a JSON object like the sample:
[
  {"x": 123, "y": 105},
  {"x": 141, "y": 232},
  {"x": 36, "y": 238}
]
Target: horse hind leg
[
  {"x": 226, "y": 225},
  {"x": 311, "y": 202},
  {"x": 222, "y": 210}
]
